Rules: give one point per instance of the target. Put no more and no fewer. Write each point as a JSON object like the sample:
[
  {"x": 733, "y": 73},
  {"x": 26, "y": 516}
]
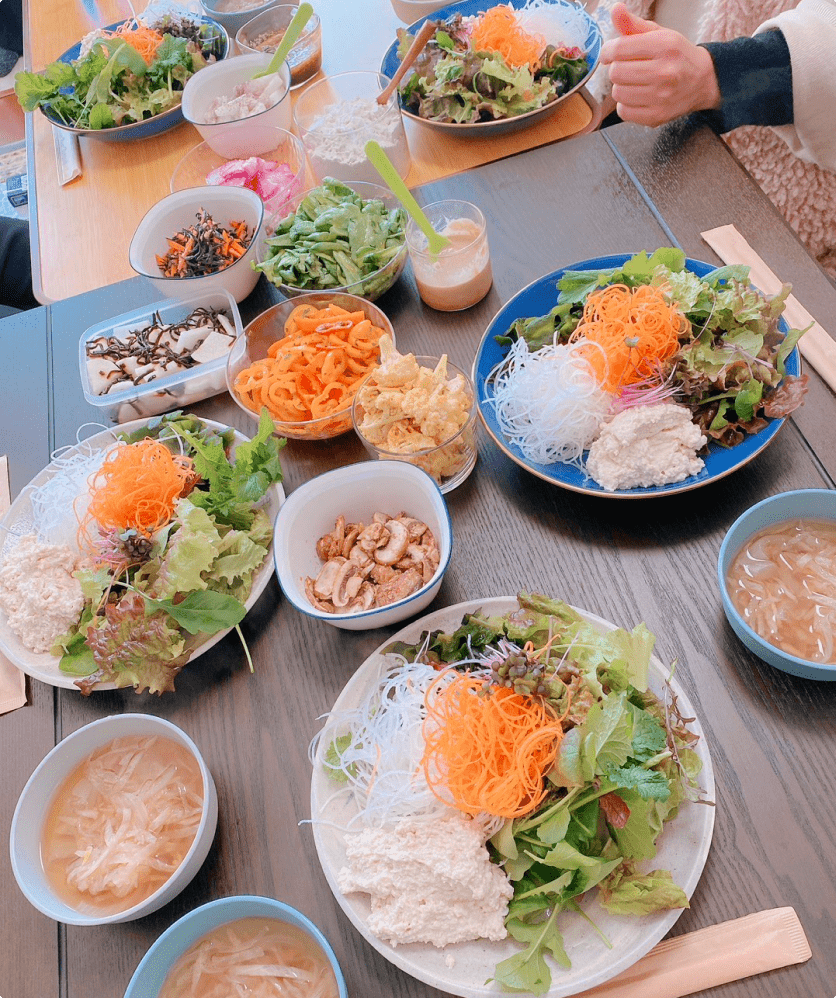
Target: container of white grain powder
[{"x": 336, "y": 117}]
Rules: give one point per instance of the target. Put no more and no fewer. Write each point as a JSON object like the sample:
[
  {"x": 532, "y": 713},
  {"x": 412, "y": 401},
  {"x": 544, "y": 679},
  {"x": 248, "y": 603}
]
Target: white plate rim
[
  {"x": 50, "y": 674},
  {"x": 408, "y": 957}
]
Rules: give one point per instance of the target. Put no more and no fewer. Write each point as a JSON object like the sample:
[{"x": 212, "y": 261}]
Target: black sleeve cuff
[{"x": 755, "y": 80}]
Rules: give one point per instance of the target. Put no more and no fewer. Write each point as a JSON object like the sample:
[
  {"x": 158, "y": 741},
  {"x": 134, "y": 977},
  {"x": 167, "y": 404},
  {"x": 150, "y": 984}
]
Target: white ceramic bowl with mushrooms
[{"x": 363, "y": 546}]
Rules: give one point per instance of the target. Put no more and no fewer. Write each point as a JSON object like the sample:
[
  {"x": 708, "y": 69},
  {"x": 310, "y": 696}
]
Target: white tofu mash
[
  {"x": 646, "y": 445},
  {"x": 429, "y": 881},
  {"x": 38, "y": 593}
]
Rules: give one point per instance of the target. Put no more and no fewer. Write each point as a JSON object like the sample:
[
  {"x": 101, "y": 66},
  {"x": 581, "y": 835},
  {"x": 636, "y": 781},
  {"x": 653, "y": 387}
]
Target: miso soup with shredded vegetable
[
  {"x": 783, "y": 583},
  {"x": 258, "y": 957},
  {"x": 121, "y": 823}
]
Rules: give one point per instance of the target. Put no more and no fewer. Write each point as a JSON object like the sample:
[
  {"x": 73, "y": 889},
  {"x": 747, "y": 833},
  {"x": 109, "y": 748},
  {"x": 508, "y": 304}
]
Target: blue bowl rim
[
  {"x": 731, "y": 611},
  {"x": 276, "y": 905},
  {"x": 368, "y": 615}
]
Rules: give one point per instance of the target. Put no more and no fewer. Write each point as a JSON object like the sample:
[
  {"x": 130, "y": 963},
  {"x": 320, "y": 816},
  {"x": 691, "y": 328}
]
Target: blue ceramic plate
[
  {"x": 538, "y": 299},
  {"x": 137, "y": 129},
  {"x": 591, "y": 44}
]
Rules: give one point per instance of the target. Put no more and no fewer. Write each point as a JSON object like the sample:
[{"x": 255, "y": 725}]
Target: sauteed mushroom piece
[{"x": 372, "y": 565}]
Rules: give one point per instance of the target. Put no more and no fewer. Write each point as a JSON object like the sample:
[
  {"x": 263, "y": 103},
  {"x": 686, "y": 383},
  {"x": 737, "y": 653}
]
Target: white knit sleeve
[{"x": 810, "y": 32}]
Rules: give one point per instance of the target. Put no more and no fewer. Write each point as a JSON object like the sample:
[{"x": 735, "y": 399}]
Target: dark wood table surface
[{"x": 771, "y": 736}]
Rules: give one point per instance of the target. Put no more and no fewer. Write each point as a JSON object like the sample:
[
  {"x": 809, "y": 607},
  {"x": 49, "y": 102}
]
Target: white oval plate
[
  {"x": 683, "y": 849},
  {"x": 42, "y": 665}
]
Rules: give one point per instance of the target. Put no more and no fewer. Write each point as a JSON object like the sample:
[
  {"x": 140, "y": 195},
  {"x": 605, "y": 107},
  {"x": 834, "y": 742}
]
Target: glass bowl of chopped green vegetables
[{"x": 336, "y": 237}]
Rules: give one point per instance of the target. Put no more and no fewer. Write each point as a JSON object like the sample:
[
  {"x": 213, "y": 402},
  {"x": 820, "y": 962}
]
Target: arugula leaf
[
  {"x": 233, "y": 487},
  {"x": 527, "y": 970},
  {"x": 747, "y": 399},
  {"x": 204, "y": 612}
]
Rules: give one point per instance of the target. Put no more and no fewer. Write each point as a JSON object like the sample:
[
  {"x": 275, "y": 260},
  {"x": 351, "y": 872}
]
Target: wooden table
[
  {"x": 771, "y": 736},
  {"x": 81, "y": 232}
]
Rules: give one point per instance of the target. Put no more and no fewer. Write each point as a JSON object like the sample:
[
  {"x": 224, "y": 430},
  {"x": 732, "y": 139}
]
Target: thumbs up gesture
[{"x": 656, "y": 73}]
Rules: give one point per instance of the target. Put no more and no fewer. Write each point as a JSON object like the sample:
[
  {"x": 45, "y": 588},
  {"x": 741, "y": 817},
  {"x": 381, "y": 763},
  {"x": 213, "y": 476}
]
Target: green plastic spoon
[
  {"x": 381, "y": 162},
  {"x": 289, "y": 39}
]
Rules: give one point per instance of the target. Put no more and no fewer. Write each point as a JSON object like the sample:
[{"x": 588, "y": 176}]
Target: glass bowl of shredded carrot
[{"x": 304, "y": 359}]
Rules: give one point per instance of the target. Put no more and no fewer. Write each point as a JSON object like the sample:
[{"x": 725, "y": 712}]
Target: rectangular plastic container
[{"x": 173, "y": 391}]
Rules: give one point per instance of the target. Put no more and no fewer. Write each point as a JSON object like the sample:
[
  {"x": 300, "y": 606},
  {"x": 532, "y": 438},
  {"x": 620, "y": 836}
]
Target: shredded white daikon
[
  {"x": 128, "y": 820},
  {"x": 252, "y": 958},
  {"x": 549, "y": 402},
  {"x": 60, "y": 501},
  {"x": 378, "y": 747},
  {"x": 557, "y": 23}
]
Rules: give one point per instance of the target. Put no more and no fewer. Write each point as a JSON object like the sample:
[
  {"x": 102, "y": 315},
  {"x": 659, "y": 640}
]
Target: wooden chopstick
[{"x": 421, "y": 39}]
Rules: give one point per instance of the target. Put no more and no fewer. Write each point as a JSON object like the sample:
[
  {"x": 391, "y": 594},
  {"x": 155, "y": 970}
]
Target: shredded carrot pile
[
  {"x": 488, "y": 751},
  {"x": 637, "y": 329},
  {"x": 145, "y": 40},
  {"x": 498, "y": 30},
  {"x": 315, "y": 369},
  {"x": 136, "y": 488}
]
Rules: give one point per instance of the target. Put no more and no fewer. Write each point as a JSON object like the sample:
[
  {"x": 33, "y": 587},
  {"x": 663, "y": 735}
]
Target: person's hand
[{"x": 656, "y": 73}]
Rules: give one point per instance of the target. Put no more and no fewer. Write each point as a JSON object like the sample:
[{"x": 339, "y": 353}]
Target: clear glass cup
[
  {"x": 264, "y": 33},
  {"x": 452, "y": 460},
  {"x": 337, "y": 116},
  {"x": 460, "y": 275},
  {"x": 237, "y": 146}
]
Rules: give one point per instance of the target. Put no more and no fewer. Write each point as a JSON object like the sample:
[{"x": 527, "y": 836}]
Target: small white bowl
[
  {"x": 357, "y": 492},
  {"x": 37, "y": 796},
  {"x": 232, "y": 20},
  {"x": 178, "y": 211},
  {"x": 219, "y": 80}
]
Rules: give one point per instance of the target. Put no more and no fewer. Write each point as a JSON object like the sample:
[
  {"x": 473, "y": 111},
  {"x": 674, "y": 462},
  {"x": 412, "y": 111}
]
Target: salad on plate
[
  {"x": 484, "y": 775},
  {"x": 124, "y": 74},
  {"x": 134, "y": 552},
  {"x": 641, "y": 372},
  {"x": 500, "y": 63}
]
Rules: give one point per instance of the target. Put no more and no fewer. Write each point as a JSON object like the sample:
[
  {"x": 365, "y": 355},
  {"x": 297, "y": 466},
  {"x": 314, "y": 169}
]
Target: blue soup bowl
[
  {"x": 154, "y": 967},
  {"x": 819, "y": 504}
]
